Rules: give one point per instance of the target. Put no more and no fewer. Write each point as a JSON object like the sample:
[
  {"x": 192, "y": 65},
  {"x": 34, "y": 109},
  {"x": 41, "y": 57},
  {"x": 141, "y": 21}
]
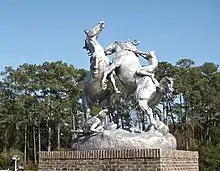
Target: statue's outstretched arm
[
  {"x": 108, "y": 51},
  {"x": 145, "y": 55},
  {"x": 139, "y": 52}
]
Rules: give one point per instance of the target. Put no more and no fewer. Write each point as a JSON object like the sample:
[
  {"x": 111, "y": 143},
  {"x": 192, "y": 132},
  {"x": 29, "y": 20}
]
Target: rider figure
[
  {"x": 150, "y": 69},
  {"x": 143, "y": 71}
]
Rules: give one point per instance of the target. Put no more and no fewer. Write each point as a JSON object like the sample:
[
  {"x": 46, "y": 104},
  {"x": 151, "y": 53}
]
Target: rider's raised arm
[
  {"x": 108, "y": 52},
  {"x": 145, "y": 55},
  {"x": 138, "y": 52}
]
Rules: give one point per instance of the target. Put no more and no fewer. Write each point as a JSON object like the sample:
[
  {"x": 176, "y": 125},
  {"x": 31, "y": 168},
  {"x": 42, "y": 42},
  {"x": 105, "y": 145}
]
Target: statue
[
  {"x": 92, "y": 92},
  {"x": 94, "y": 124},
  {"x": 137, "y": 79}
]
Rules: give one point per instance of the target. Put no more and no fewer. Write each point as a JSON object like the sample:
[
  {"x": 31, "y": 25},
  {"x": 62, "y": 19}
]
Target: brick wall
[{"x": 119, "y": 160}]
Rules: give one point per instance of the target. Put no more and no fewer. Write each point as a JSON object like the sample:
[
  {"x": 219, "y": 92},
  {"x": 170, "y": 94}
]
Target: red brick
[{"x": 125, "y": 159}]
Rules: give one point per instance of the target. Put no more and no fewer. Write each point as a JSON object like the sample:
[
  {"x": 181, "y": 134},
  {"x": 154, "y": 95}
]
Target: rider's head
[{"x": 151, "y": 54}]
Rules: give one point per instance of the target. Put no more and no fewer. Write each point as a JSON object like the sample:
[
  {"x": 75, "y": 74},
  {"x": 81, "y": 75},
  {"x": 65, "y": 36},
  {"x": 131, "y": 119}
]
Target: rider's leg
[
  {"x": 112, "y": 79},
  {"x": 95, "y": 125},
  {"x": 146, "y": 70}
]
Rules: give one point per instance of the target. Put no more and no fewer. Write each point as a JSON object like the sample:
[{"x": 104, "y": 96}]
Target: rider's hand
[{"x": 151, "y": 53}]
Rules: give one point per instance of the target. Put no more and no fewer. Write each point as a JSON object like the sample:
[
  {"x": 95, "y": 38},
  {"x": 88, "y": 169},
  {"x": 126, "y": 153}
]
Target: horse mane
[
  {"x": 122, "y": 45},
  {"x": 88, "y": 48},
  {"x": 85, "y": 45}
]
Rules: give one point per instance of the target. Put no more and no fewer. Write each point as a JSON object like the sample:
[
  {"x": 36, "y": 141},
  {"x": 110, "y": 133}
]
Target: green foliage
[
  {"x": 210, "y": 157},
  {"x": 6, "y": 158},
  {"x": 3, "y": 160},
  {"x": 39, "y": 107},
  {"x": 37, "y": 103},
  {"x": 95, "y": 110}
]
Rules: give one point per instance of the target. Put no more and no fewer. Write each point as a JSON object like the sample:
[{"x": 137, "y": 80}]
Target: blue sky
[{"x": 34, "y": 31}]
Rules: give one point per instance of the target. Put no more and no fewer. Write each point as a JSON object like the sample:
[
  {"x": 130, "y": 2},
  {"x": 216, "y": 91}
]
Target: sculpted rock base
[{"x": 122, "y": 139}]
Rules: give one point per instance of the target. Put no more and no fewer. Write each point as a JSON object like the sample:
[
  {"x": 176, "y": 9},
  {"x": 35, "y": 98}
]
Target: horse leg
[
  {"x": 111, "y": 106},
  {"x": 95, "y": 126},
  {"x": 143, "y": 103},
  {"x": 86, "y": 108},
  {"x": 157, "y": 113},
  {"x": 109, "y": 70},
  {"x": 146, "y": 70}
]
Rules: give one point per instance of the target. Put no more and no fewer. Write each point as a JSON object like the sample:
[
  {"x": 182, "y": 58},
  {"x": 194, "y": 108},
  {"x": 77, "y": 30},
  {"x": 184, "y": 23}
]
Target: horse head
[
  {"x": 95, "y": 31},
  {"x": 92, "y": 36},
  {"x": 110, "y": 49},
  {"x": 166, "y": 85},
  {"x": 117, "y": 46}
]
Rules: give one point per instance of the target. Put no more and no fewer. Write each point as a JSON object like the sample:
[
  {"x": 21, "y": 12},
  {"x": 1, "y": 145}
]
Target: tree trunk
[
  {"x": 49, "y": 139},
  {"x": 171, "y": 115},
  {"x": 186, "y": 128},
  {"x": 167, "y": 111},
  {"x": 49, "y": 136},
  {"x": 193, "y": 130},
  {"x": 39, "y": 138},
  {"x": 73, "y": 125},
  {"x": 58, "y": 136},
  {"x": 206, "y": 129},
  {"x": 25, "y": 144},
  {"x": 164, "y": 113},
  {"x": 34, "y": 145},
  {"x": 122, "y": 122},
  {"x": 185, "y": 121},
  {"x": 201, "y": 134},
  {"x": 173, "y": 121},
  {"x": 210, "y": 125},
  {"x": 49, "y": 128},
  {"x": 6, "y": 140},
  {"x": 207, "y": 125}
]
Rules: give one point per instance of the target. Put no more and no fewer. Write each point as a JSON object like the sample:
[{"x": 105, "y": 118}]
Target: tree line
[{"x": 40, "y": 105}]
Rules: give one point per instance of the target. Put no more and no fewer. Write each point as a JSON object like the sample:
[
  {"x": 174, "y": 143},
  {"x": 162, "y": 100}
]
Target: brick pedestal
[{"x": 119, "y": 160}]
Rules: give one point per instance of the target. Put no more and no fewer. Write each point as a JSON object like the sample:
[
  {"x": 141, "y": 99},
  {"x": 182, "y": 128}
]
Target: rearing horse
[
  {"x": 92, "y": 92},
  {"x": 147, "y": 92}
]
